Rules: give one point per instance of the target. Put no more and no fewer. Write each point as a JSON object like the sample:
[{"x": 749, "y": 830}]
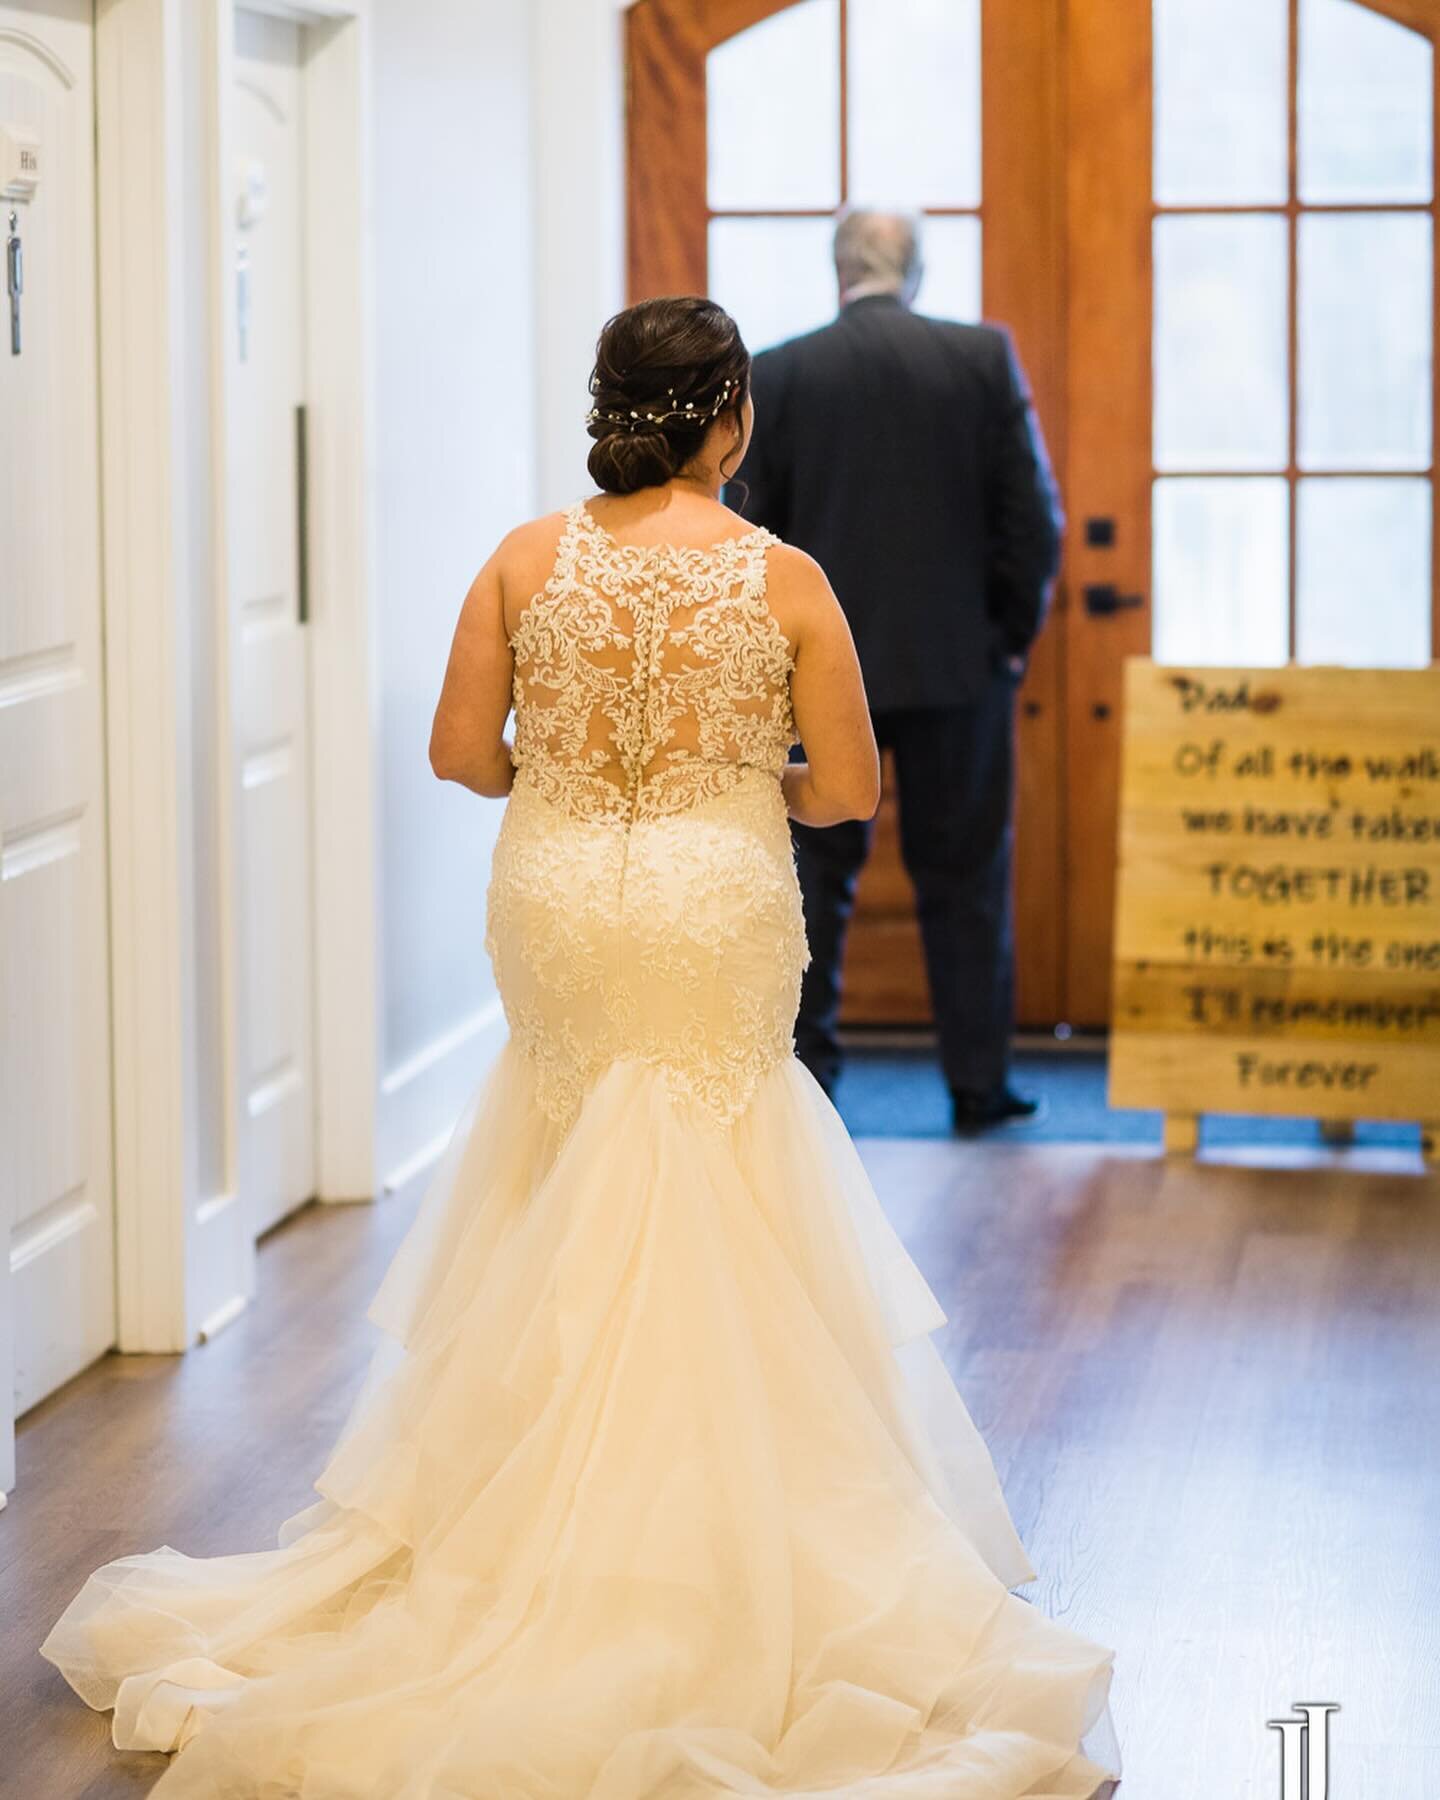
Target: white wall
[
  {"x": 454, "y": 332},
  {"x": 497, "y": 149},
  {"x": 579, "y": 223}
]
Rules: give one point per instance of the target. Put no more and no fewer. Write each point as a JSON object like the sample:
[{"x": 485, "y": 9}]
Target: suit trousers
[{"x": 955, "y": 776}]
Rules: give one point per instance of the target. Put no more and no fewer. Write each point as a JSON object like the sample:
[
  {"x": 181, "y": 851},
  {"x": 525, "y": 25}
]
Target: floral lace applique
[
  {"x": 648, "y": 676},
  {"x": 643, "y": 901}
]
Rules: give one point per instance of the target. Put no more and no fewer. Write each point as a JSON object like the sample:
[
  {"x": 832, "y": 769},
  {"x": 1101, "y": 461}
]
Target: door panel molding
[{"x": 40, "y": 50}]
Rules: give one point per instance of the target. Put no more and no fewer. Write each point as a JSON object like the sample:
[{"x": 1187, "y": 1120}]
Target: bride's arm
[
  {"x": 467, "y": 741},
  {"x": 841, "y": 777}
]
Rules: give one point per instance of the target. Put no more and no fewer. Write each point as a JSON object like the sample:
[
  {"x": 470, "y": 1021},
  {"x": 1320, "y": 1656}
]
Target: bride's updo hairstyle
[{"x": 664, "y": 372}]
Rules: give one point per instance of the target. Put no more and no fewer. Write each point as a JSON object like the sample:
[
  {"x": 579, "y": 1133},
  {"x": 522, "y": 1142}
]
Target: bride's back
[{"x": 649, "y": 674}]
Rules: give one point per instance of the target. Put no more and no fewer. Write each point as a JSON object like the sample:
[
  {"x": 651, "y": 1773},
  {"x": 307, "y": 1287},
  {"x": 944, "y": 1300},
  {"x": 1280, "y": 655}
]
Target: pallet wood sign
[{"x": 1277, "y": 943}]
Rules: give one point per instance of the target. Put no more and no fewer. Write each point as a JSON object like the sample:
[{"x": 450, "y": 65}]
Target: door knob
[{"x": 1103, "y": 597}]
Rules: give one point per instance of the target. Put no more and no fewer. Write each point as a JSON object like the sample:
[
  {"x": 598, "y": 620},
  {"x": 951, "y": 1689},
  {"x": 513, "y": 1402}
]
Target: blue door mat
[{"x": 888, "y": 1091}]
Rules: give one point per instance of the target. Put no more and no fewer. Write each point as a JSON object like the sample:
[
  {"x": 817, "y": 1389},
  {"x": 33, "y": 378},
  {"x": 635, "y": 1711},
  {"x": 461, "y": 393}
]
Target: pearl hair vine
[{"x": 692, "y": 412}]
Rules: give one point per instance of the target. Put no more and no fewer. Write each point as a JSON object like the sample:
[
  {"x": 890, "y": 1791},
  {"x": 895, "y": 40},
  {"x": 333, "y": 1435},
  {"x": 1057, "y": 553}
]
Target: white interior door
[
  {"x": 272, "y": 701},
  {"x": 57, "y": 1299}
]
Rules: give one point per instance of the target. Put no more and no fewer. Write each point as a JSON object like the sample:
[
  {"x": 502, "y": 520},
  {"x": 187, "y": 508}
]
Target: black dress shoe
[{"x": 979, "y": 1111}]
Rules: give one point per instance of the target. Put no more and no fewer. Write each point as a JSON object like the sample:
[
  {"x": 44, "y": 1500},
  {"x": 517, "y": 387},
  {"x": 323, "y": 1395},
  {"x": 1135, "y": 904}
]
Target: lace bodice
[
  {"x": 643, "y": 904},
  {"x": 649, "y": 676}
]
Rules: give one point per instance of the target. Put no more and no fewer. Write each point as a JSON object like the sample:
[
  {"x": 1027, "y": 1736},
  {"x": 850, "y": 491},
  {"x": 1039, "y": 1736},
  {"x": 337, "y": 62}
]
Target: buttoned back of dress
[
  {"x": 643, "y": 904},
  {"x": 648, "y": 676}
]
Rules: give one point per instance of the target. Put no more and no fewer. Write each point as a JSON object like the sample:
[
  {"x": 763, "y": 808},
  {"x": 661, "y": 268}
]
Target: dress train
[{"x": 656, "y": 1488}]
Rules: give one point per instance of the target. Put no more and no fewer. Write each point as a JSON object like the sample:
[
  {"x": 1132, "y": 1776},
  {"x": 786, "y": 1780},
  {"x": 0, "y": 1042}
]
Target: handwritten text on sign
[{"x": 1278, "y": 909}]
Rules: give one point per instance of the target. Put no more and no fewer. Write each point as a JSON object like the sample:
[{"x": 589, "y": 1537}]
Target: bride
[{"x": 656, "y": 1487}]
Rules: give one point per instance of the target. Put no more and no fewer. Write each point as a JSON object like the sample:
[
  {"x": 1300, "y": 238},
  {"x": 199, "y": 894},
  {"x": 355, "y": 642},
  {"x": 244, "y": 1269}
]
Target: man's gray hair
[{"x": 877, "y": 249}]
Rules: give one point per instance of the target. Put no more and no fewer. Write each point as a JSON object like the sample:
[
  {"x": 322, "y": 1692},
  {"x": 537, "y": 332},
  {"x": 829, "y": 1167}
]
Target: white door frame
[{"x": 163, "y": 83}]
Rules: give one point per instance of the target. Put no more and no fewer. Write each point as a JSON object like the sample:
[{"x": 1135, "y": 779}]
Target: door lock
[{"x": 1103, "y": 597}]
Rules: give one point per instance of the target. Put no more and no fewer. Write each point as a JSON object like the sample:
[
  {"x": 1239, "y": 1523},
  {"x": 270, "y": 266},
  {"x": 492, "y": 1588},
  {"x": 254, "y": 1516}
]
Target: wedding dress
[{"x": 657, "y": 1486}]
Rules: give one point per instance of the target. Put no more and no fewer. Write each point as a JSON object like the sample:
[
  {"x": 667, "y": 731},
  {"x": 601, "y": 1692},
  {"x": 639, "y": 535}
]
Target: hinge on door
[{"x": 302, "y": 519}]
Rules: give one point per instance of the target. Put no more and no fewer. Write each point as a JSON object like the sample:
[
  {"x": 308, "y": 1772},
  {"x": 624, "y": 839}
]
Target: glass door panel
[
  {"x": 913, "y": 102},
  {"x": 950, "y": 287},
  {"x": 1366, "y": 122},
  {"x": 1366, "y": 325},
  {"x": 1221, "y": 388},
  {"x": 1364, "y": 568},
  {"x": 772, "y": 275},
  {"x": 788, "y": 140},
  {"x": 772, "y": 112},
  {"x": 1221, "y": 555},
  {"x": 1250, "y": 365},
  {"x": 1293, "y": 339},
  {"x": 1221, "y": 133}
]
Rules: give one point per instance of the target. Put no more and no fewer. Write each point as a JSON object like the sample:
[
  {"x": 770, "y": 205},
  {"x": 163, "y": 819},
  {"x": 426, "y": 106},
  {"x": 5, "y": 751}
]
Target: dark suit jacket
[{"x": 901, "y": 452}]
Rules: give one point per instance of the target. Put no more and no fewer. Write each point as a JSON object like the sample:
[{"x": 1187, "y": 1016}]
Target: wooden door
[
  {"x": 748, "y": 123},
  {"x": 1251, "y": 380},
  {"x": 273, "y": 685},
  {"x": 57, "y": 1300},
  {"x": 1211, "y": 229}
]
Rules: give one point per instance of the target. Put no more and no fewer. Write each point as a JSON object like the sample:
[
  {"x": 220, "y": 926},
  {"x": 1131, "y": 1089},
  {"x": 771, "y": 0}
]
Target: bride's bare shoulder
[
  {"x": 531, "y": 543},
  {"x": 524, "y": 558},
  {"x": 790, "y": 566},
  {"x": 798, "y": 590}
]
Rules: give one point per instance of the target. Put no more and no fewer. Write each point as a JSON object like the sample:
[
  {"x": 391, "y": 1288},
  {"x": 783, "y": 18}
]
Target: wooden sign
[{"x": 1277, "y": 944}]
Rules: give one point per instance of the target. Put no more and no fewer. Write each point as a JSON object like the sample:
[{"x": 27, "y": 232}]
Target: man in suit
[{"x": 901, "y": 452}]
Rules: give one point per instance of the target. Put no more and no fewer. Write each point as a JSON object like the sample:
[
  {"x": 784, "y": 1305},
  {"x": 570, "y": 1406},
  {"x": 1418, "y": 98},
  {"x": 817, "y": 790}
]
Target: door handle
[
  {"x": 1103, "y": 597},
  {"x": 14, "y": 279}
]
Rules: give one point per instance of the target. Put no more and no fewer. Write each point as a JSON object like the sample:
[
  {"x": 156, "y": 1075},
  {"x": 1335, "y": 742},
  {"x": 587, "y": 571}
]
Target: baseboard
[{"x": 421, "y": 1098}]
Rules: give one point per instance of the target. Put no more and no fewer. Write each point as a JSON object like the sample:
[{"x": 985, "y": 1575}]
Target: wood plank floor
[{"x": 1210, "y": 1391}]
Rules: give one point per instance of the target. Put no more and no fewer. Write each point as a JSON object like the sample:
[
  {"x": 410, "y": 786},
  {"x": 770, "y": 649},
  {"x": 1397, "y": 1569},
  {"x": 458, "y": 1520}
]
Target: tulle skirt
[{"x": 656, "y": 1488}]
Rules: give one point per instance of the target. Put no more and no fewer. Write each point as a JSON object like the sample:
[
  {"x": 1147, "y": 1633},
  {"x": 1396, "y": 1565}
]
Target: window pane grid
[
  {"x": 1291, "y": 207},
  {"x": 951, "y": 285},
  {"x": 826, "y": 212},
  {"x": 1360, "y": 486},
  {"x": 930, "y": 210}
]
